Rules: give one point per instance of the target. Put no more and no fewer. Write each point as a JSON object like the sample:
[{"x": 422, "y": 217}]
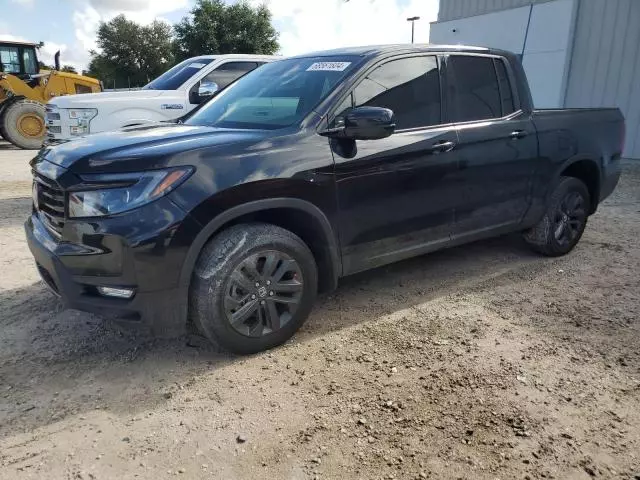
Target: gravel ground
[{"x": 484, "y": 361}]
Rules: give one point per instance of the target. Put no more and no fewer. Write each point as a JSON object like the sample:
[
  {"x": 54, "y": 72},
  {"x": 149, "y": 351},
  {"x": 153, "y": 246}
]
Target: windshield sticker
[
  {"x": 328, "y": 67},
  {"x": 196, "y": 65}
]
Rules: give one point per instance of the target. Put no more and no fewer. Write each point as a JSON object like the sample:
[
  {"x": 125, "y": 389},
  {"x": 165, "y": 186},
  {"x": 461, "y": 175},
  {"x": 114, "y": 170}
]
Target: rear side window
[
  {"x": 409, "y": 86},
  {"x": 506, "y": 94},
  {"x": 29, "y": 60},
  {"x": 228, "y": 73},
  {"x": 475, "y": 90},
  {"x": 238, "y": 66}
]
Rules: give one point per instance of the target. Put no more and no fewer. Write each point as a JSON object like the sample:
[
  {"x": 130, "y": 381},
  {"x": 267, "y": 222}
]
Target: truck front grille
[{"x": 49, "y": 203}]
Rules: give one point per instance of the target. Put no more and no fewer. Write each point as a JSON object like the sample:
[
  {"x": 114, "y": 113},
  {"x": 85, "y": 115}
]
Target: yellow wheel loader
[{"x": 25, "y": 90}]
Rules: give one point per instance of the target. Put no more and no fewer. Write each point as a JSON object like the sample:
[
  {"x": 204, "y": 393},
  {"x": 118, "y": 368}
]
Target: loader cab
[{"x": 19, "y": 59}]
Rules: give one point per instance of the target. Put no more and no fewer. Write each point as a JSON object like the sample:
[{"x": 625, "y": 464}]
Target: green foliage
[
  {"x": 68, "y": 69},
  {"x": 216, "y": 28},
  {"x": 131, "y": 54},
  {"x": 44, "y": 66}
]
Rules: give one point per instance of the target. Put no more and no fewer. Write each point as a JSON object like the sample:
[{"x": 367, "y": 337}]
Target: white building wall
[
  {"x": 542, "y": 33},
  {"x": 454, "y": 9},
  {"x": 587, "y": 58},
  {"x": 506, "y": 30},
  {"x": 605, "y": 65},
  {"x": 547, "y": 52}
]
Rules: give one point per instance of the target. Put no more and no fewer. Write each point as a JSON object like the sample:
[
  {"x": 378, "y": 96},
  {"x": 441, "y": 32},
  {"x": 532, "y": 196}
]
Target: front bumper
[{"x": 115, "y": 252}]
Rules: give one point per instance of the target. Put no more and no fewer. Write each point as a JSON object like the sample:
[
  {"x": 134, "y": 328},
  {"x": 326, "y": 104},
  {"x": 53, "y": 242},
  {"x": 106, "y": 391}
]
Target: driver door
[{"x": 396, "y": 195}]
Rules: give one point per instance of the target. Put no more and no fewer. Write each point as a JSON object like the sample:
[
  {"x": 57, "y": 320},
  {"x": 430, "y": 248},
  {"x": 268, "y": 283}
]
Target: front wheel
[
  {"x": 23, "y": 124},
  {"x": 563, "y": 224},
  {"x": 253, "y": 287}
]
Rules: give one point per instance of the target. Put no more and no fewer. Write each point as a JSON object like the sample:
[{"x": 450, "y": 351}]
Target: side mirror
[
  {"x": 364, "y": 123},
  {"x": 206, "y": 90}
]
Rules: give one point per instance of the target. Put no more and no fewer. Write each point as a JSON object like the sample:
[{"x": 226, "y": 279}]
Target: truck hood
[
  {"x": 93, "y": 100},
  {"x": 147, "y": 147}
]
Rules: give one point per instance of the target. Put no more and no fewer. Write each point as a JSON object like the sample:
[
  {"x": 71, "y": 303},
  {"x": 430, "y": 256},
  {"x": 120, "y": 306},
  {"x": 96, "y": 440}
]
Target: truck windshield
[
  {"x": 276, "y": 95},
  {"x": 174, "y": 78}
]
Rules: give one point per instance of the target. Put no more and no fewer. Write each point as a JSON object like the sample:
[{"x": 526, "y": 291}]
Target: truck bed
[{"x": 590, "y": 133}]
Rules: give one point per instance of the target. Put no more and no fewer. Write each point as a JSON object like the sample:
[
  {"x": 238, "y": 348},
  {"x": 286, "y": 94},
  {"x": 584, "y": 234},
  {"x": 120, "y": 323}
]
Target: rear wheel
[
  {"x": 23, "y": 124},
  {"x": 253, "y": 287},
  {"x": 562, "y": 226}
]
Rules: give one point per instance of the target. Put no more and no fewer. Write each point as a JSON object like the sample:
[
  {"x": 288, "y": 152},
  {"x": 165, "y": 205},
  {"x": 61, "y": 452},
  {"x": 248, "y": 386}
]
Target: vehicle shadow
[
  {"x": 55, "y": 363},
  {"x": 4, "y": 145},
  {"x": 421, "y": 279}
]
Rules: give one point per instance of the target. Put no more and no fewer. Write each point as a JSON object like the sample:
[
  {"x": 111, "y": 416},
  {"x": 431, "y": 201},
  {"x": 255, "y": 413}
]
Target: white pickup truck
[{"x": 170, "y": 96}]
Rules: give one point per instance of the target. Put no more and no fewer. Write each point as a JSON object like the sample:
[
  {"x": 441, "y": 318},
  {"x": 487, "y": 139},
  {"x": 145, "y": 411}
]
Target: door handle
[
  {"x": 516, "y": 134},
  {"x": 443, "y": 147}
]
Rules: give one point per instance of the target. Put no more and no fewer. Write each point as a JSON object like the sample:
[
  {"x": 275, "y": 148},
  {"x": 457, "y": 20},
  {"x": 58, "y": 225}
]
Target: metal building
[{"x": 577, "y": 53}]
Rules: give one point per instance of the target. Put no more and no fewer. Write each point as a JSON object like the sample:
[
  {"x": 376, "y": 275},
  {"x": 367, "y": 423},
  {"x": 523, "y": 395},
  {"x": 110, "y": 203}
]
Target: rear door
[
  {"x": 497, "y": 145},
  {"x": 395, "y": 194}
]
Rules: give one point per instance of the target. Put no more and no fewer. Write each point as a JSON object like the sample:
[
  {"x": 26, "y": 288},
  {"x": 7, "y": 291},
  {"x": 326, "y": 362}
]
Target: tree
[
  {"x": 69, "y": 69},
  {"x": 131, "y": 54},
  {"x": 216, "y": 28}
]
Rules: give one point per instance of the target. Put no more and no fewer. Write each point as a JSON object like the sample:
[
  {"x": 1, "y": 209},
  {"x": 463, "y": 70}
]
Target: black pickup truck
[{"x": 304, "y": 171}]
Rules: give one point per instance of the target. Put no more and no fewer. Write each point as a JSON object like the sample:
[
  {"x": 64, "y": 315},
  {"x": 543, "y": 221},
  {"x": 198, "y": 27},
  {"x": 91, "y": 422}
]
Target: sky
[{"x": 304, "y": 25}]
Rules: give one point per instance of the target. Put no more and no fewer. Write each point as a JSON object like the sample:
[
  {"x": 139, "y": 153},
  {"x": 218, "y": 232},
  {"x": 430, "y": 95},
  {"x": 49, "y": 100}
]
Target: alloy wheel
[
  {"x": 263, "y": 293},
  {"x": 569, "y": 218}
]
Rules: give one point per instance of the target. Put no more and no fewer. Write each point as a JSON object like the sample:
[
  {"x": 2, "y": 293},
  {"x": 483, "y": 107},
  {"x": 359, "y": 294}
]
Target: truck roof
[
  {"x": 377, "y": 50},
  {"x": 237, "y": 56},
  {"x": 18, "y": 42}
]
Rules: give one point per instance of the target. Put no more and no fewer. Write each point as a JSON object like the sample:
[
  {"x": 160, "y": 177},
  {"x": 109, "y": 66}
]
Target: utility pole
[{"x": 413, "y": 21}]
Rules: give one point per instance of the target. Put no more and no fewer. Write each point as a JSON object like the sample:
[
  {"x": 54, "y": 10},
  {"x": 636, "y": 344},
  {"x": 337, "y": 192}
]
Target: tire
[
  {"x": 23, "y": 124},
  {"x": 2, "y": 134},
  {"x": 563, "y": 224},
  {"x": 239, "y": 296}
]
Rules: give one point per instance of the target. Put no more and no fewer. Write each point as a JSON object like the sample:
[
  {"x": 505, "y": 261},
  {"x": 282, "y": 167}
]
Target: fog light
[{"x": 116, "y": 292}]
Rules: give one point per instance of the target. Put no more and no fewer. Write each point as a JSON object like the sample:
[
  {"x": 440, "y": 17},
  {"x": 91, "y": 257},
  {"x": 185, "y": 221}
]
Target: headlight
[
  {"x": 116, "y": 193},
  {"x": 83, "y": 116}
]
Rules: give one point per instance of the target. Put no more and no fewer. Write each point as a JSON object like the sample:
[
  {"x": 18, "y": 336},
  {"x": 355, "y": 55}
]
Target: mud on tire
[
  {"x": 253, "y": 287},
  {"x": 565, "y": 220}
]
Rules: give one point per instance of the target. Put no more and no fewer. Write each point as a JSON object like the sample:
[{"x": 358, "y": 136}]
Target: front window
[
  {"x": 410, "y": 87},
  {"x": 10, "y": 59},
  {"x": 178, "y": 75},
  {"x": 277, "y": 95}
]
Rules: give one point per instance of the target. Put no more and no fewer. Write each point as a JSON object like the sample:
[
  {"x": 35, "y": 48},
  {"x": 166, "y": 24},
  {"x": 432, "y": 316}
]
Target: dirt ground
[{"x": 484, "y": 361}]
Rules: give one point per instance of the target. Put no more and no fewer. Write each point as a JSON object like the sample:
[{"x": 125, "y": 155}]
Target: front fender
[{"x": 217, "y": 223}]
